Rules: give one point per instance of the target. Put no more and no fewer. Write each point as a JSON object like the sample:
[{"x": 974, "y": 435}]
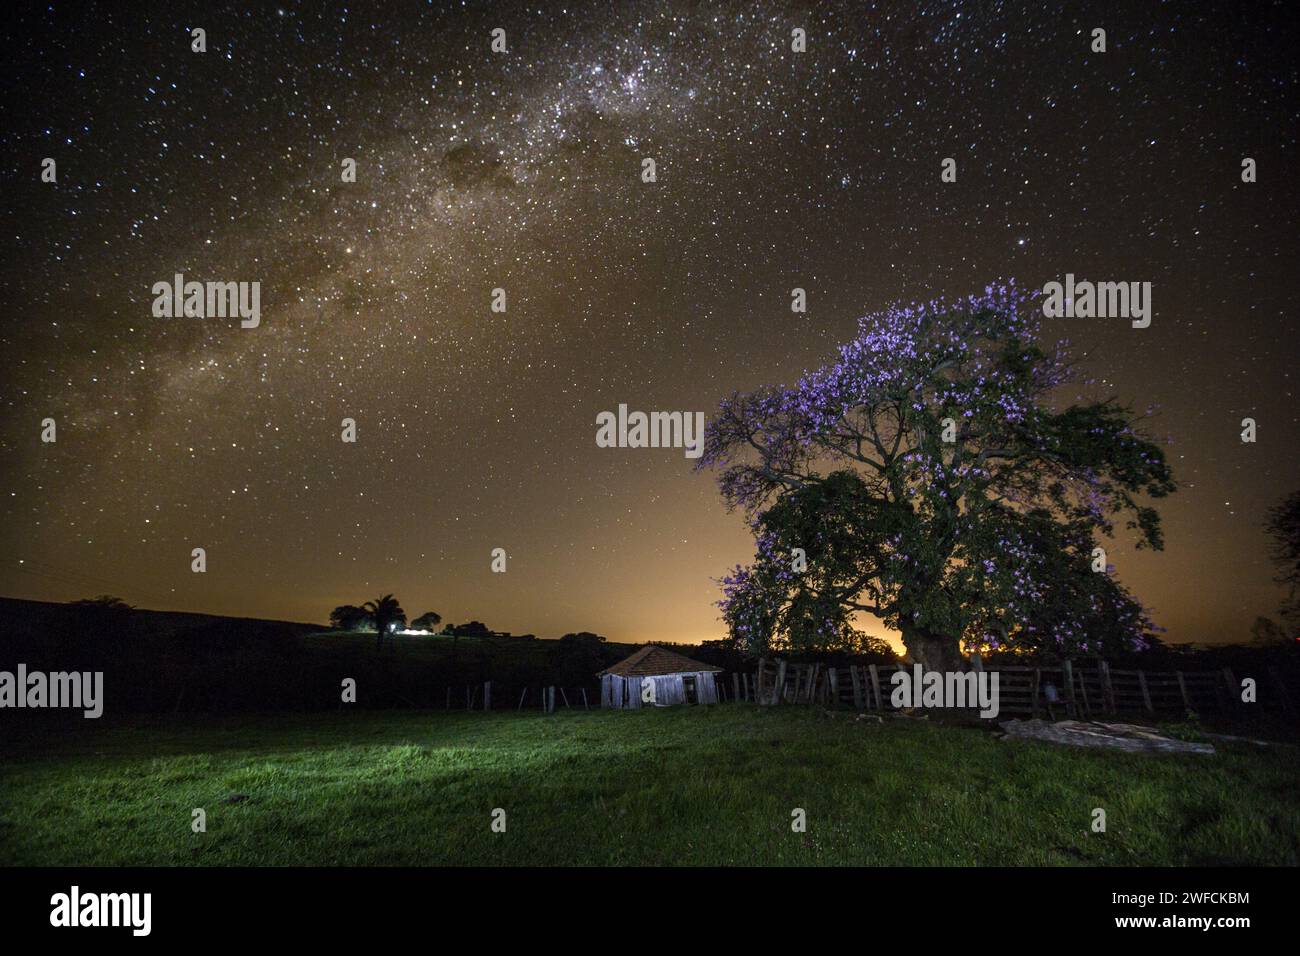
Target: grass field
[{"x": 682, "y": 786}]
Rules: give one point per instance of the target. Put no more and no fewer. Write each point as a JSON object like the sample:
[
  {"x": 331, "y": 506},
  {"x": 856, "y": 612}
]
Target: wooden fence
[
  {"x": 1074, "y": 688},
  {"x": 497, "y": 695}
]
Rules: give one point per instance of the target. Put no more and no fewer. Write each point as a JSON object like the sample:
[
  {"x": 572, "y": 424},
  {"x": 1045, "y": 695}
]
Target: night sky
[{"x": 522, "y": 170}]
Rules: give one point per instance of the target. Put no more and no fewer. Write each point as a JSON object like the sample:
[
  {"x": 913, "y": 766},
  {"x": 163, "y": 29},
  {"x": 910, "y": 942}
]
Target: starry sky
[{"x": 522, "y": 170}]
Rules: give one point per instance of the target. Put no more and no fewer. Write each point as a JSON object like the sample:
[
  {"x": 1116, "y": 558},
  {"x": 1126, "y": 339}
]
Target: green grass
[{"x": 681, "y": 786}]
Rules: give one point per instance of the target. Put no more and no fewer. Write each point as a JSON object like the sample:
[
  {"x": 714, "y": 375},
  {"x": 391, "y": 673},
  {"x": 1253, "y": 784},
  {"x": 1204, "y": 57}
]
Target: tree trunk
[{"x": 932, "y": 651}]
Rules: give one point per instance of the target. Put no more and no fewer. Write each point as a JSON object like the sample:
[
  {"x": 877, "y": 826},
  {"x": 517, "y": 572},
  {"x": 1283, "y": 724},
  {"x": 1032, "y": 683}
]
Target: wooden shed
[{"x": 657, "y": 677}]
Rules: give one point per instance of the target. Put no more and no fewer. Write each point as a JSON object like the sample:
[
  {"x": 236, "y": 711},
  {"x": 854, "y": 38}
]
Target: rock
[{"x": 1133, "y": 738}]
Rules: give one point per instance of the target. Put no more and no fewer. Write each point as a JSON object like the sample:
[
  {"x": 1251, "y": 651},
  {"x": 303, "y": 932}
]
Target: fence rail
[{"x": 1074, "y": 688}]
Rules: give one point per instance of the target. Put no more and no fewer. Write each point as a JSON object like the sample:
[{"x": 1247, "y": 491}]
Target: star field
[{"x": 522, "y": 171}]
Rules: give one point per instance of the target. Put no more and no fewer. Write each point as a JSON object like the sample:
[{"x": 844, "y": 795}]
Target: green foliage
[
  {"x": 1283, "y": 526},
  {"x": 428, "y": 621},
  {"x": 387, "y": 614},
  {"x": 933, "y": 483},
  {"x": 349, "y": 617},
  {"x": 578, "y": 658}
]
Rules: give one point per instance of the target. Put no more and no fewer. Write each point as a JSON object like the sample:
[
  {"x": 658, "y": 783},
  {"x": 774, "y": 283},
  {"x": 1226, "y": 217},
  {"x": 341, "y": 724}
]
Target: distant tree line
[
  {"x": 383, "y": 615},
  {"x": 169, "y": 662}
]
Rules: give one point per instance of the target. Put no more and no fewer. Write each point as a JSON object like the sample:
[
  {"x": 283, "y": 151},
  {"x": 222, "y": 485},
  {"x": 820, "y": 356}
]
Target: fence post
[
  {"x": 1282, "y": 694},
  {"x": 487, "y": 695},
  {"x": 1146, "y": 695},
  {"x": 1083, "y": 692},
  {"x": 857, "y": 687},
  {"x": 735, "y": 685},
  {"x": 1107, "y": 692},
  {"x": 833, "y": 679},
  {"x": 521, "y": 698},
  {"x": 758, "y": 681},
  {"x": 779, "y": 689},
  {"x": 1234, "y": 689},
  {"x": 1182, "y": 686},
  {"x": 1067, "y": 671},
  {"x": 875, "y": 686}
]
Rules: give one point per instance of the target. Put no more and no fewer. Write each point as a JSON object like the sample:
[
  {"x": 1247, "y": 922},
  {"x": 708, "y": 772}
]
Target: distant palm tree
[{"x": 386, "y": 612}]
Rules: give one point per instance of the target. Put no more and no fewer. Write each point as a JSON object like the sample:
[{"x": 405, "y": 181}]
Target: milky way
[{"x": 522, "y": 171}]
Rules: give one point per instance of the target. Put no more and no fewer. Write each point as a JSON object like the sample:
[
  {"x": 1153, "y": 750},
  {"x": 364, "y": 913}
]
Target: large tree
[
  {"x": 1283, "y": 526},
  {"x": 349, "y": 617},
  {"x": 933, "y": 478},
  {"x": 428, "y": 621}
]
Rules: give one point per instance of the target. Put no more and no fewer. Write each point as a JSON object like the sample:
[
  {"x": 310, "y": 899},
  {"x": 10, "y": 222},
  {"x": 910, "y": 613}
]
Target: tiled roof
[{"x": 652, "y": 661}]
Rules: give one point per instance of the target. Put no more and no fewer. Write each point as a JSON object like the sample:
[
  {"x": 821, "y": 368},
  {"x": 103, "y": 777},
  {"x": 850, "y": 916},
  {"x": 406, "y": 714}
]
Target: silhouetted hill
[
  {"x": 162, "y": 661},
  {"x": 19, "y": 616}
]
